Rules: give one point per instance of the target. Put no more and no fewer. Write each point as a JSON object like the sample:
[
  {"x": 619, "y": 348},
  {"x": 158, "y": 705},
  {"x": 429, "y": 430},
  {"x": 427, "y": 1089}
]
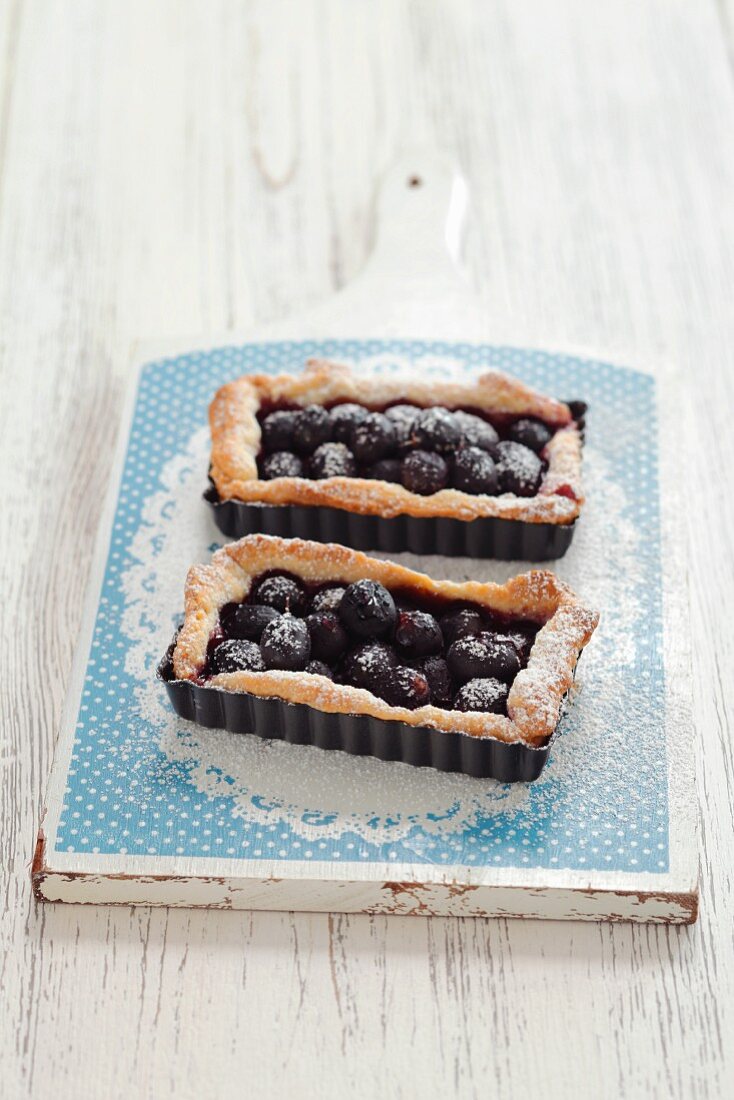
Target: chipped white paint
[
  {"x": 393, "y": 897},
  {"x": 175, "y": 169}
]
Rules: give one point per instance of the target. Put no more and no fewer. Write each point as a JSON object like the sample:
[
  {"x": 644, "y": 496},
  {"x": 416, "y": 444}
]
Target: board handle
[
  {"x": 411, "y": 284},
  {"x": 421, "y": 213}
]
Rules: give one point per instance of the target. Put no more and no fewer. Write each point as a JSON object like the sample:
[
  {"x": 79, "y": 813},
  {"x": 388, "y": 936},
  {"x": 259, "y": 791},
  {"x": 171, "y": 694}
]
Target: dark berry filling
[
  {"x": 486, "y": 694},
  {"x": 281, "y": 464},
  {"x": 373, "y": 438},
  {"x": 332, "y": 460},
  {"x": 387, "y": 469},
  {"x": 319, "y": 668},
  {"x": 424, "y": 449},
  {"x": 417, "y": 634},
  {"x": 343, "y": 419},
  {"x": 440, "y": 683},
  {"x": 286, "y": 644},
  {"x": 281, "y": 592},
  {"x": 368, "y": 610},
  {"x": 278, "y": 430},
  {"x": 237, "y": 655},
  {"x": 405, "y": 687},
  {"x": 365, "y": 665},
  {"x": 437, "y": 430},
  {"x": 403, "y": 414},
  {"x": 519, "y": 469},
  {"x": 457, "y": 624},
  {"x": 312, "y": 428},
  {"x": 327, "y": 598},
  {"x": 403, "y": 646},
  {"x": 329, "y": 639},
  {"x": 483, "y": 655},
  {"x": 522, "y": 637},
  {"x": 424, "y": 472},
  {"x": 248, "y": 620},
  {"x": 531, "y": 433},
  {"x": 473, "y": 471},
  {"x": 476, "y": 432}
]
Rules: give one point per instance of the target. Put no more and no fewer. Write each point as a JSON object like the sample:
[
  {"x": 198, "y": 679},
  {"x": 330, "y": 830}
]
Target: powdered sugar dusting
[
  {"x": 477, "y": 694},
  {"x": 334, "y": 460}
]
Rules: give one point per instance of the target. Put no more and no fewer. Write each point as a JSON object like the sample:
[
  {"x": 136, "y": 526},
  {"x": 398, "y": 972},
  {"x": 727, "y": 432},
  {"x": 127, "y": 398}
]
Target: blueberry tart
[
  {"x": 319, "y": 644},
  {"x": 483, "y": 468}
]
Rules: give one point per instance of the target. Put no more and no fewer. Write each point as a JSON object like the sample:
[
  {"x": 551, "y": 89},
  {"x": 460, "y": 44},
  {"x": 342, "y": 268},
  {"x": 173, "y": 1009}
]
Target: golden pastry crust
[
  {"x": 235, "y": 434},
  {"x": 535, "y": 697}
]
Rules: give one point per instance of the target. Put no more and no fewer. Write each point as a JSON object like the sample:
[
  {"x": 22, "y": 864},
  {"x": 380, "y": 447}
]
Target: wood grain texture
[{"x": 170, "y": 169}]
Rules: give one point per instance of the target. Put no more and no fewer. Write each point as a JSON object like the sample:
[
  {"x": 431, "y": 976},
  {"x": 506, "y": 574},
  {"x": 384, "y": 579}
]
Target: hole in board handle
[{"x": 414, "y": 181}]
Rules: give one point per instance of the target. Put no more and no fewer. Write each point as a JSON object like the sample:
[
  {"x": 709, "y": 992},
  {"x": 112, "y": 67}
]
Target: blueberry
[
  {"x": 248, "y": 620},
  {"x": 436, "y": 430},
  {"x": 281, "y": 464},
  {"x": 365, "y": 666},
  {"x": 404, "y": 439},
  {"x": 405, "y": 687},
  {"x": 312, "y": 428},
  {"x": 519, "y": 469},
  {"x": 367, "y": 610},
  {"x": 237, "y": 655},
  {"x": 327, "y": 599},
  {"x": 417, "y": 634},
  {"x": 329, "y": 639},
  {"x": 332, "y": 460},
  {"x": 402, "y": 417},
  {"x": 372, "y": 438},
  {"x": 483, "y": 655},
  {"x": 343, "y": 418},
  {"x": 387, "y": 469},
  {"x": 459, "y": 624},
  {"x": 503, "y": 656},
  {"x": 277, "y": 430},
  {"x": 522, "y": 636},
  {"x": 441, "y": 687},
  {"x": 405, "y": 414},
  {"x": 531, "y": 433},
  {"x": 475, "y": 431},
  {"x": 285, "y": 644},
  {"x": 318, "y": 668},
  {"x": 484, "y": 694},
  {"x": 281, "y": 592},
  {"x": 473, "y": 471},
  {"x": 424, "y": 472}
]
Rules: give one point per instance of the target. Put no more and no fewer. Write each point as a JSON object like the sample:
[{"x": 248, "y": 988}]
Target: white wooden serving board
[{"x": 145, "y": 808}]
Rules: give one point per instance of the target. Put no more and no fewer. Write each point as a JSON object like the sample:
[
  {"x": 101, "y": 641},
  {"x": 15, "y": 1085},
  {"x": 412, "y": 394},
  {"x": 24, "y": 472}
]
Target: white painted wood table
[{"x": 176, "y": 169}]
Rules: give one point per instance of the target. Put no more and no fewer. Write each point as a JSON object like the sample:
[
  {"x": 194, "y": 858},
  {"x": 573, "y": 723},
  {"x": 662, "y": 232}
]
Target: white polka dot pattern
[{"x": 140, "y": 781}]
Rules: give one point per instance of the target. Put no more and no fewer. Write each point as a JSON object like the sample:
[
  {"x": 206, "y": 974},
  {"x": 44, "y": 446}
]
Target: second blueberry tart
[{"x": 322, "y": 645}]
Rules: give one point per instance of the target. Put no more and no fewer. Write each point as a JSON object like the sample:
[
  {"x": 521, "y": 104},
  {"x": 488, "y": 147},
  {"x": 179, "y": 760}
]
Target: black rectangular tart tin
[
  {"x": 487, "y": 537},
  {"x": 358, "y": 734}
]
